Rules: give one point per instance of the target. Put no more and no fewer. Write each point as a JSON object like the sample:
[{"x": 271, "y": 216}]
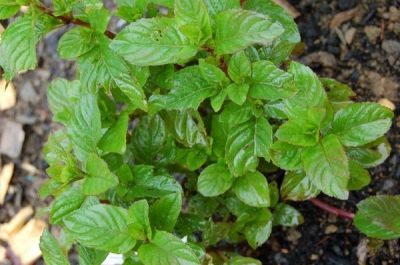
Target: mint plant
[{"x": 175, "y": 127}]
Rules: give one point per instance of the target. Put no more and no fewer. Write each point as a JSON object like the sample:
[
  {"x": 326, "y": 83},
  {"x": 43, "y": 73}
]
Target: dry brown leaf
[
  {"x": 8, "y": 96},
  {"x": 342, "y": 17},
  {"x": 324, "y": 58},
  {"x": 387, "y": 103},
  {"x": 16, "y": 223},
  {"x": 5, "y": 178},
  {"x": 25, "y": 243},
  {"x": 292, "y": 11}
]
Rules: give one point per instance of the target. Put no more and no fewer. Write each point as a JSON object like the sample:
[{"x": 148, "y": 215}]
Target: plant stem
[
  {"x": 331, "y": 209},
  {"x": 70, "y": 20}
]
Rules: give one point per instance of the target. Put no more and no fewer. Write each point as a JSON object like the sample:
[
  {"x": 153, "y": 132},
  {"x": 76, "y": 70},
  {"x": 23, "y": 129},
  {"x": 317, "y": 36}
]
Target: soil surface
[{"x": 363, "y": 51}]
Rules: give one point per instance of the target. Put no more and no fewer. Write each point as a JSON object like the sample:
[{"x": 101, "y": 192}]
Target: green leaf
[
  {"x": 232, "y": 114},
  {"x": 101, "y": 66},
  {"x": 281, "y": 48},
  {"x": 18, "y": 43},
  {"x": 338, "y": 94},
  {"x": 252, "y": 189},
  {"x": 218, "y": 100},
  {"x": 326, "y": 165},
  {"x": 258, "y": 231},
  {"x": 194, "y": 13},
  {"x": 139, "y": 222},
  {"x": 379, "y": 217},
  {"x": 75, "y": 43},
  {"x": 89, "y": 256},
  {"x": 114, "y": 140},
  {"x": 93, "y": 226},
  {"x": 243, "y": 261},
  {"x": 84, "y": 129},
  {"x": 269, "y": 82},
  {"x": 245, "y": 143},
  {"x": 165, "y": 212},
  {"x": 98, "y": 16},
  {"x": 190, "y": 88},
  {"x": 187, "y": 127},
  {"x": 217, "y": 6},
  {"x": 298, "y": 133},
  {"x": 296, "y": 186},
  {"x": 214, "y": 180},
  {"x": 361, "y": 123},
  {"x": 166, "y": 249},
  {"x": 371, "y": 155},
  {"x": 131, "y": 10},
  {"x": 286, "y": 156},
  {"x": 62, "y": 7},
  {"x": 51, "y": 250},
  {"x": 150, "y": 184},
  {"x": 287, "y": 215},
  {"x": 239, "y": 67},
  {"x": 359, "y": 177},
  {"x": 9, "y": 10},
  {"x": 237, "y": 29},
  {"x": 61, "y": 96},
  {"x": 154, "y": 41},
  {"x": 310, "y": 92},
  {"x": 238, "y": 92},
  {"x": 149, "y": 140},
  {"x": 212, "y": 73},
  {"x": 100, "y": 178},
  {"x": 67, "y": 202}
]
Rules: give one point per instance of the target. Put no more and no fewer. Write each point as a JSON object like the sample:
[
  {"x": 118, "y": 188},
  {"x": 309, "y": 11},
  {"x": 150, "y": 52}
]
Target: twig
[
  {"x": 70, "y": 20},
  {"x": 331, "y": 209}
]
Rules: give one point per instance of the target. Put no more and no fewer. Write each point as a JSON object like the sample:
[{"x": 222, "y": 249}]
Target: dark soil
[{"x": 370, "y": 63}]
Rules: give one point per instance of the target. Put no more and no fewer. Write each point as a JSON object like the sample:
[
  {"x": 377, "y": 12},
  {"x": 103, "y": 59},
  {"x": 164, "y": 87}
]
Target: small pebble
[
  {"x": 387, "y": 103},
  {"x": 330, "y": 229}
]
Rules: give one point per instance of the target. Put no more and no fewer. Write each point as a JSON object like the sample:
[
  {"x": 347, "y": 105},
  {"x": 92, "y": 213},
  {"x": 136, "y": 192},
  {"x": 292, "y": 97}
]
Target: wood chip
[
  {"x": 25, "y": 243},
  {"x": 324, "y": 58},
  {"x": 8, "y": 96},
  {"x": 387, "y": 103},
  {"x": 12, "y": 139},
  {"x": 5, "y": 178},
  {"x": 342, "y": 17},
  {"x": 16, "y": 223},
  {"x": 349, "y": 35},
  {"x": 292, "y": 11}
]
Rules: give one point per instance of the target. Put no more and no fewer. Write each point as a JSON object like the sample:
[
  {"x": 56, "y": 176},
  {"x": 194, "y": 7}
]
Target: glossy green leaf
[
  {"x": 252, "y": 189},
  {"x": 166, "y": 249},
  {"x": 99, "y": 177},
  {"x": 218, "y": 100},
  {"x": 237, "y": 29},
  {"x": 310, "y": 92},
  {"x": 154, "y": 41},
  {"x": 8, "y": 11},
  {"x": 285, "y": 155},
  {"x": 165, "y": 212},
  {"x": 190, "y": 88},
  {"x": 239, "y": 67},
  {"x": 114, "y": 139},
  {"x": 75, "y": 43},
  {"x": 61, "y": 96},
  {"x": 379, "y": 217},
  {"x": 131, "y": 10},
  {"x": 65, "y": 203},
  {"x": 269, "y": 82},
  {"x": 298, "y": 133},
  {"x": 214, "y": 180},
  {"x": 101, "y": 66},
  {"x": 84, "y": 129},
  {"x": 51, "y": 250},
  {"x": 19, "y": 40},
  {"x": 361, "y": 123},
  {"x": 359, "y": 177},
  {"x": 258, "y": 231},
  {"x": 245, "y": 143},
  {"x": 243, "y": 261},
  {"x": 93, "y": 226},
  {"x": 287, "y": 215},
  {"x": 90, "y": 256},
  {"x": 139, "y": 222},
  {"x": 326, "y": 165},
  {"x": 217, "y": 6},
  {"x": 238, "y": 92},
  {"x": 296, "y": 186},
  {"x": 194, "y": 13},
  {"x": 62, "y": 7},
  {"x": 371, "y": 155}
]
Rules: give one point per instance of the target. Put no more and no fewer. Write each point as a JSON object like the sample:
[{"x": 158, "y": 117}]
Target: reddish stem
[
  {"x": 70, "y": 20},
  {"x": 331, "y": 209},
  {"x": 242, "y": 2}
]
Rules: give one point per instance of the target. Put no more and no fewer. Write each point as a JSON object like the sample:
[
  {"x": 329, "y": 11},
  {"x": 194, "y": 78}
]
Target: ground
[{"x": 363, "y": 51}]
